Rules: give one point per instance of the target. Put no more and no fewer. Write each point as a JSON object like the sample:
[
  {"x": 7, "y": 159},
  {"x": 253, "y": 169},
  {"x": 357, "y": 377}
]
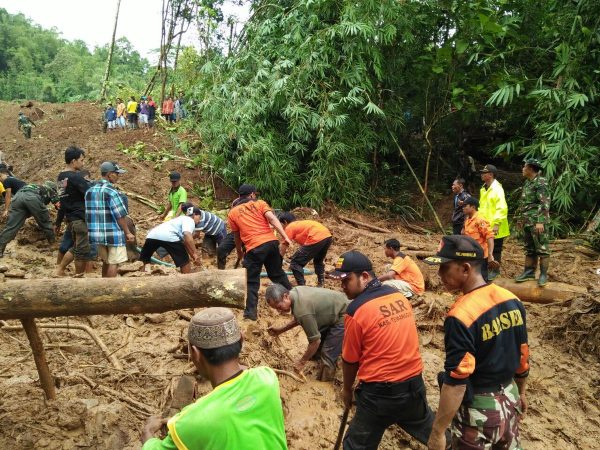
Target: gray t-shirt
[{"x": 317, "y": 308}]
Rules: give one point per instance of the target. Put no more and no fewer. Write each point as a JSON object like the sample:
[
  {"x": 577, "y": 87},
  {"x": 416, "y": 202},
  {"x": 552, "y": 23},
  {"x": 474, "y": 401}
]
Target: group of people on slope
[{"x": 142, "y": 114}]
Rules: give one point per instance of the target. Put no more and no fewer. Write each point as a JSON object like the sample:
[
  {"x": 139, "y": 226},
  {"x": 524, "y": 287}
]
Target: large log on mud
[
  {"x": 529, "y": 291},
  {"x": 135, "y": 295}
]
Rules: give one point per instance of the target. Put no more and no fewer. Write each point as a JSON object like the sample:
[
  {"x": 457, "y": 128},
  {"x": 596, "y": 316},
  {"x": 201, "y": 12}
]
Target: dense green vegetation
[
  {"x": 303, "y": 103},
  {"x": 39, "y": 64}
]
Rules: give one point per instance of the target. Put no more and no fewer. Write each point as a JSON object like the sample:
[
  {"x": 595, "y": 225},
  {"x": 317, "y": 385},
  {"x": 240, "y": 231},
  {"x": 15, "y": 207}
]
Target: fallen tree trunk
[
  {"x": 368, "y": 226},
  {"x": 90, "y": 296},
  {"x": 553, "y": 292}
]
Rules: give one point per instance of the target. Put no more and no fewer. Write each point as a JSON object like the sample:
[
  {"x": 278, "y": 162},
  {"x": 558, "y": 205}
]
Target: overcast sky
[{"x": 92, "y": 20}]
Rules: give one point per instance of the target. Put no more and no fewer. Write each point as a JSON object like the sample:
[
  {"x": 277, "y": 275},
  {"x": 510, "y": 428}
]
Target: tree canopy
[{"x": 38, "y": 64}]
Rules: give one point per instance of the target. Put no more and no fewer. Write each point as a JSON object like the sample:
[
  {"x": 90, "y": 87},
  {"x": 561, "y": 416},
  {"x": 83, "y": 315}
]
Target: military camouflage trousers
[
  {"x": 534, "y": 243},
  {"x": 490, "y": 421}
]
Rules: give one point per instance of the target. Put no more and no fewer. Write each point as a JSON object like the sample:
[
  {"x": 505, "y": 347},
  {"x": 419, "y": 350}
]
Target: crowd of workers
[
  {"x": 371, "y": 324},
  {"x": 142, "y": 113}
]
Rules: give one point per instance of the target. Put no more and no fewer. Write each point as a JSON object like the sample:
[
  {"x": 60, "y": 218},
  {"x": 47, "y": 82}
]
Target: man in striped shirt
[
  {"x": 106, "y": 217},
  {"x": 213, "y": 227}
]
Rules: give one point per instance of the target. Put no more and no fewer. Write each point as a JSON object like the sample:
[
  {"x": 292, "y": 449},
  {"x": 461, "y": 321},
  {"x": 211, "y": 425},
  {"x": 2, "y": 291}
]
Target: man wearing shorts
[
  {"x": 72, "y": 187},
  {"x": 106, "y": 217},
  {"x": 176, "y": 237}
]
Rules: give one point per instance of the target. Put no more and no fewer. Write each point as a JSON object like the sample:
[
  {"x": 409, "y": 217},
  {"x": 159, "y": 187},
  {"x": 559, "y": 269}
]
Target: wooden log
[
  {"x": 89, "y": 296},
  {"x": 368, "y": 226},
  {"x": 39, "y": 356},
  {"x": 553, "y": 292}
]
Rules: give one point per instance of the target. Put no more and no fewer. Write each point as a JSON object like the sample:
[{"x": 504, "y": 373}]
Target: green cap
[{"x": 533, "y": 162}]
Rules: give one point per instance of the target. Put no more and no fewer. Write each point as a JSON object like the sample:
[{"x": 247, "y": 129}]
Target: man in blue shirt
[{"x": 106, "y": 217}]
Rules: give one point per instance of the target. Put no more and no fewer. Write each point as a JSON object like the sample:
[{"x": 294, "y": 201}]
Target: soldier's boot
[
  {"x": 544, "y": 264},
  {"x": 529, "y": 271}
]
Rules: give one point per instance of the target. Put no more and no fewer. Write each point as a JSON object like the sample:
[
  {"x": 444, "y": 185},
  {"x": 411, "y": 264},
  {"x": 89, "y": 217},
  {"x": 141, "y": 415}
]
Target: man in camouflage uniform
[
  {"x": 31, "y": 200},
  {"x": 24, "y": 123},
  {"x": 533, "y": 216},
  {"x": 483, "y": 386}
]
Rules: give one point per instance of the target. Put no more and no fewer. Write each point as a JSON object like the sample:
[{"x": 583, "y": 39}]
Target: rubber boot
[
  {"x": 529, "y": 271},
  {"x": 544, "y": 264}
]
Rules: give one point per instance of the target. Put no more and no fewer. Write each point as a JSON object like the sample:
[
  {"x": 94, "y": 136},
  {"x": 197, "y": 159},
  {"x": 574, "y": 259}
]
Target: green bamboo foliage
[{"x": 298, "y": 110}]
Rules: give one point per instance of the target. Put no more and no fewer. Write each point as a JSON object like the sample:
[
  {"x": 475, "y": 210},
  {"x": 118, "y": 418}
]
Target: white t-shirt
[{"x": 172, "y": 231}]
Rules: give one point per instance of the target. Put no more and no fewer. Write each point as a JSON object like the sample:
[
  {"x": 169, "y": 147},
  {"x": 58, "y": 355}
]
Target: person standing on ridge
[
  {"x": 493, "y": 208},
  {"x": 460, "y": 195},
  {"x": 533, "y": 217}
]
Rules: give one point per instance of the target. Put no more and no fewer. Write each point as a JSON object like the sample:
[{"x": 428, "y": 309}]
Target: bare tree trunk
[
  {"x": 110, "y": 55},
  {"x": 121, "y": 295}
]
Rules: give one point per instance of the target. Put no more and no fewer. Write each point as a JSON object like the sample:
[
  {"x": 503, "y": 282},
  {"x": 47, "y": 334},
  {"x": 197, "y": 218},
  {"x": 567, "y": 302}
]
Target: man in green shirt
[
  {"x": 243, "y": 411},
  {"x": 320, "y": 313},
  {"x": 177, "y": 196}
]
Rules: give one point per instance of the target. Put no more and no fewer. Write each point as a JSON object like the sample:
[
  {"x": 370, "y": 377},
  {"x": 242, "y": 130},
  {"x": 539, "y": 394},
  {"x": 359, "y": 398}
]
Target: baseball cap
[
  {"x": 246, "y": 189},
  {"x": 214, "y": 328},
  {"x": 174, "y": 176},
  {"x": 489, "y": 168},
  {"x": 350, "y": 262},
  {"x": 533, "y": 162},
  {"x": 471, "y": 201},
  {"x": 111, "y": 166},
  {"x": 456, "y": 247}
]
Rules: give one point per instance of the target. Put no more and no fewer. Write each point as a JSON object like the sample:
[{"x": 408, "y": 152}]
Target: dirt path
[{"x": 563, "y": 389}]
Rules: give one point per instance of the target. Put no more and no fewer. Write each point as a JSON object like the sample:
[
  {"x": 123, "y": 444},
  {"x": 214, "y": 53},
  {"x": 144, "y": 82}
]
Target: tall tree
[{"x": 110, "y": 54}]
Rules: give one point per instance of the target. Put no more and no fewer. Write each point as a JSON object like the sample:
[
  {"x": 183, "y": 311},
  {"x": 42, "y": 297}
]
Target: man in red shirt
[
  {"x": 250, "y": 222},
  {"x": 314, "y": 239},
  {"x": 381, "y": 346}
]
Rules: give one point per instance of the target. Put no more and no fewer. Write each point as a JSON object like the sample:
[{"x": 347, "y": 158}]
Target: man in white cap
[
  {"x": 106, "y": 217},
  {"x": 244, "y": 409}
]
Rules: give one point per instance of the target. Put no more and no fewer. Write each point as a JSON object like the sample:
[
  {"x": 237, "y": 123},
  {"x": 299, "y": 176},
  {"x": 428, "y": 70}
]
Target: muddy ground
[{"x": 564, "y": 384}]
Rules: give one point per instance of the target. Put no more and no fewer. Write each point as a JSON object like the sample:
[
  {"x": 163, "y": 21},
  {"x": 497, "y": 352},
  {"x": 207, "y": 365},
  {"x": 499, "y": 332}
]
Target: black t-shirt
[
  {"x": 486, "y": 338},
  {"x": 14, "y": 184},
  {"x": 71, "y": 190}
]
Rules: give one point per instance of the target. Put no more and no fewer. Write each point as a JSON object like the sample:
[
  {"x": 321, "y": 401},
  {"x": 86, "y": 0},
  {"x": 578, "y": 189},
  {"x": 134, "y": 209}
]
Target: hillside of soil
[{"x": 100, "y": 407}]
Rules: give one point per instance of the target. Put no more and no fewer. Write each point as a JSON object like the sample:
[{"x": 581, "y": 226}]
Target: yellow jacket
[{"x": 493, "y": 208}]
